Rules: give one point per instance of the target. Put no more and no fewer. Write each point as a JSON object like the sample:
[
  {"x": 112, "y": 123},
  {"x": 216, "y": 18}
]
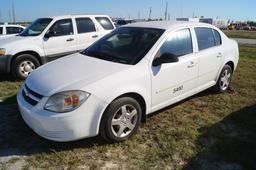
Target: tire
[
  {"x": 120, "y": 120},
  {"x": 23, "y": 65},
  {"x": 224, "y": 79}
]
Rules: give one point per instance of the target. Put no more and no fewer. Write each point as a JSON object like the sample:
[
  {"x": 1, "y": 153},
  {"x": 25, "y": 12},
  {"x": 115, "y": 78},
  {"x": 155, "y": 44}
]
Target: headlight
[
  {"x": 66, "y": 101},
  {"x": 2, "y": 51}
]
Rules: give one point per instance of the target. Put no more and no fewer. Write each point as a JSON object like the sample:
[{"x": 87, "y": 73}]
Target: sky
[{"x": 29, "y": 10}]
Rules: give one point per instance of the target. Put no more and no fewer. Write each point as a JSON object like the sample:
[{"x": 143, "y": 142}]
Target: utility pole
[
  {"x": 181, "y": 8},
  {"x": 10, "y": 16},
  {"x": 150, "y": 12},
  {"x": 166, "y": 10},
  {"x": 139, "y": 14},
  {"x": 1, "y": 19},
  {"x": 13, "y": 13}
]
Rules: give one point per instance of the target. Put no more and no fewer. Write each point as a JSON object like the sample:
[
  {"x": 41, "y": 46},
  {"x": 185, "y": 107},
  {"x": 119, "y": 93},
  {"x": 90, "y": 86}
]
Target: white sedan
[{"x": 111, "y": 87}]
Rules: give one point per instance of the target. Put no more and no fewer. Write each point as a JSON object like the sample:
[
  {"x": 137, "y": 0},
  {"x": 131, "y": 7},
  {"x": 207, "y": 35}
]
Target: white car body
[
  {"x": 105, "y": 81},
  {"x": 8, "y": 30},
  {"x": 48, "y": 49}
]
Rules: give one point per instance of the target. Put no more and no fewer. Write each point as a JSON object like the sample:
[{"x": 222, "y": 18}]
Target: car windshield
[
  {"x": 127, "y": 45},
  {"x": 36, "y": 27}
]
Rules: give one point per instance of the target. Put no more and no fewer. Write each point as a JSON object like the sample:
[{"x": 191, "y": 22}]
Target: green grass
[
  {"x": 207, "y": 131},
  {"x": 8, "y": 87},
  {"x": 241, "y": 34}
]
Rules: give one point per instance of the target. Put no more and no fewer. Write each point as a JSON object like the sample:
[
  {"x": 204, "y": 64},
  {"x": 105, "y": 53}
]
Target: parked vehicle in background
[
  {"x": 112, "y": 86},
  {"x": 7, "y": 30},
  {"x": 47, "y": 39},
  {"x": 121, "y": 22}
]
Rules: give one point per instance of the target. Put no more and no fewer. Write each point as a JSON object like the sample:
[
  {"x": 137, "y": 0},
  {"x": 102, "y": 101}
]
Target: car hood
[
  {"x": 73, "y": 72},
  {"x": 6, "y": 40}
]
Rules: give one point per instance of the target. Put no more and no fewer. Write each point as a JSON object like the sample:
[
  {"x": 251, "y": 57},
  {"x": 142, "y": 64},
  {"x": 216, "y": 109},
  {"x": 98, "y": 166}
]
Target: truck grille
[{"x": 30, "y": 96}]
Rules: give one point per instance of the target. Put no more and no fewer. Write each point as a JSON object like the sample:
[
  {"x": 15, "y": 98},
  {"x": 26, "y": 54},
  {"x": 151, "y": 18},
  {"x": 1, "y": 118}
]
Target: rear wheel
[
  {"x": 224, "y": 79},
  {"x": 24, "y": 65},
  {"x": 120, "y": 120}
]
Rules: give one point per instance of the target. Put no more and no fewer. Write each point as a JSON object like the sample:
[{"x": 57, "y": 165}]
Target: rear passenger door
[
  {"x": 87, "y": 32},
  {"x": 209, "y": 53}
]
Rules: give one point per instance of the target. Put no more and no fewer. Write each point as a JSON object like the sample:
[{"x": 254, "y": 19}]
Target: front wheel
[
  {"x": 224, "y": 79},
  {"x": 24, "y": 65},
  {"x": 120, "y": 120}
]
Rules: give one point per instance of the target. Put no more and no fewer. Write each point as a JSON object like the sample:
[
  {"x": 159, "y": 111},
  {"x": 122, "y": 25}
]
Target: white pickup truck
[{"x": 49, "y": 38}]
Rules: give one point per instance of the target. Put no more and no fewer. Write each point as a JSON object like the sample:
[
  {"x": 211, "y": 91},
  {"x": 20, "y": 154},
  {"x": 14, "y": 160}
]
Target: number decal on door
[{"x": 178, "y": 89}]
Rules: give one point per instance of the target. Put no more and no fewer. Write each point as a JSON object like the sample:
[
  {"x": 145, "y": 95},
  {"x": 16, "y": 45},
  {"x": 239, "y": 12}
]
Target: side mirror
[
  {"x": 49, "y": 34},
  {"x": 165, "y": 58}
]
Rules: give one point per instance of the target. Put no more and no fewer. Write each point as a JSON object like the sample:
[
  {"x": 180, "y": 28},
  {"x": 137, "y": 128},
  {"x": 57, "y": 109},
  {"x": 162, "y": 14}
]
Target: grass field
[
  {"x": 207, "y": 131},
  {"x": 241, "y": 34}
]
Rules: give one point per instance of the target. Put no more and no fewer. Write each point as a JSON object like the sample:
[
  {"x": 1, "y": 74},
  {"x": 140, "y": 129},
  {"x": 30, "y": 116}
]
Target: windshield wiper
[{"x": 104, "y": 56}]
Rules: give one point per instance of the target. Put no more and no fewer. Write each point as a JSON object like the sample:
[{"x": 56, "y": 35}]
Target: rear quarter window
[
  {"x": 1, "y": 30},
  {"x": 205, "y": 38},
  {"x": 217, "y": 37},
  {"x": 105, "y": 23}
]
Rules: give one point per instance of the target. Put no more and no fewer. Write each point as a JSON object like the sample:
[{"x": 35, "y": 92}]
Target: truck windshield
[
  {"x": 127, "y": 45},
  {"x": 36, "y": 27}
]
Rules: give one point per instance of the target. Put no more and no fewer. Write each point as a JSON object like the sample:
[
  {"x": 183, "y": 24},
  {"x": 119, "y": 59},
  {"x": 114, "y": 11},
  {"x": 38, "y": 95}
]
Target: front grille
[
  {"x": 30, "y": 96},
  {"x": 34, "y": 93}
]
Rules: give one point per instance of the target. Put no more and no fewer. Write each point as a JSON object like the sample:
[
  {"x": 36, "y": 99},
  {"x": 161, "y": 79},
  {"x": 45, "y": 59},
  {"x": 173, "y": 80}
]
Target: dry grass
[{"x": 241, "y": 34}]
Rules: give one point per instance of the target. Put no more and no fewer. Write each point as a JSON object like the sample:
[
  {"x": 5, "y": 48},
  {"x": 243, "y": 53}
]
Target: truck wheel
[
  {"x": 120, "y": 120},
  {"x": 23, "y": 65},
  {"x": 224, "y": 79}
]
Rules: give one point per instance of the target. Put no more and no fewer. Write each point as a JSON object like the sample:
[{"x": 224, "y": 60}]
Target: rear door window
[
  {"x": 1, "y": 30},
  {"x": 85, "y": 25},
  {"x": 178, "y": 43},
  {"x": 205, "y": 38},
  {"x": 105, "y": 23},
  {"x": 13, "y": 30}
]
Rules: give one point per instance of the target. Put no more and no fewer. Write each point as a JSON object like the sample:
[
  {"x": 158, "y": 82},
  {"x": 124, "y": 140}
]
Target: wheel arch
[
  {"x": 35, "y": 54},
  {"x": 231, "y": 64},
  {"x": 139, "y": 98}
]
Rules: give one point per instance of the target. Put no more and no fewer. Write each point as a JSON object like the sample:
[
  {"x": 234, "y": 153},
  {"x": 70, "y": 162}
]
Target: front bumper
[
  {"x": 5, "y": 63},
  {"x": 63, "y": 127}
]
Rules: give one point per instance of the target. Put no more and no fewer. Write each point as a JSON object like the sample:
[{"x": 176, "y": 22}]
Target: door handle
[
  {"x": 95, "y": 36},
  {"x": 70, "y": 39},
  {"x": 219, "y": 55},
  {"x": 191, "y": 64}
]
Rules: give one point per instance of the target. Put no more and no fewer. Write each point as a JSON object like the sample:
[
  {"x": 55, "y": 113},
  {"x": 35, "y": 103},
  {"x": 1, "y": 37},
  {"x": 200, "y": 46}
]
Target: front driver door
[
  {"x": 62, "y": 41},
  {"x": 172, "y": 80}
]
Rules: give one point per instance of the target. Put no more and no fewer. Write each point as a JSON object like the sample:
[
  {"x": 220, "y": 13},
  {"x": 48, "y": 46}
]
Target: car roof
[
  {"x": 77, "y": 15},
  {"x": 10, "y": 25},
  {"x": 166, "y": 25}
]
